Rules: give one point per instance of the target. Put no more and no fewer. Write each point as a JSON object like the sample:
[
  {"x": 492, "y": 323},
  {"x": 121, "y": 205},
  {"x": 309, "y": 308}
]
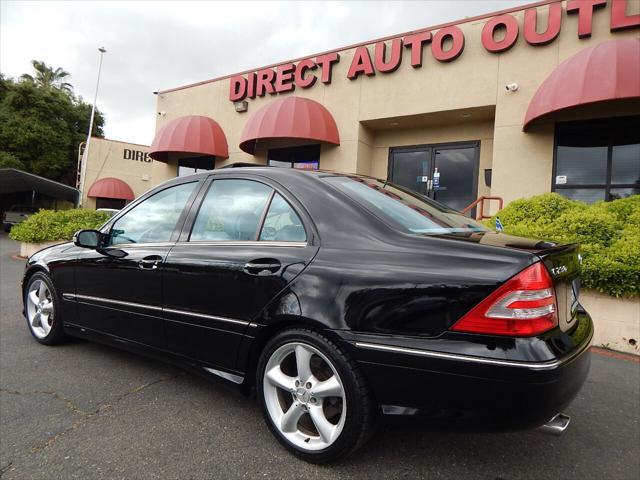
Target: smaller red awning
[
  {"x": 111, "y": 188},
  {"x": 193, "y": 134},
  {"x": 290, "y": 117},
  {"x": 607, "y": 71}
]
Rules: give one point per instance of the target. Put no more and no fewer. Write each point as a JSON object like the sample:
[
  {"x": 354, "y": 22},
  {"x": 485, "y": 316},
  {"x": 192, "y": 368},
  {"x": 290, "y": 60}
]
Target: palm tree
[{"x": 48, "y": 77}]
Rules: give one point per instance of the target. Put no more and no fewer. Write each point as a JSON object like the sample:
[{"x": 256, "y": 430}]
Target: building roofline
[
  {"x": 369, "y": 42},
  {"x": 118, "y": 141}
]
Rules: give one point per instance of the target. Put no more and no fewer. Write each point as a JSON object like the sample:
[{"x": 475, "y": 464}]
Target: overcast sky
[{"x": 168, "y": 44}]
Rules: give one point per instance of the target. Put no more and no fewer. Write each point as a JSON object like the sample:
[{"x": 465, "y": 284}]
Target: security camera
[
  {"x": 162, "y": 113},
  {"x": 156, "y": 91},
  {"x": 511, "y": 87}
]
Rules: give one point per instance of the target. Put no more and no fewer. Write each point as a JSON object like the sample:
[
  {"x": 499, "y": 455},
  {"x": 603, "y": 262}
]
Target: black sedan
[{"x": 335, "y": 297}]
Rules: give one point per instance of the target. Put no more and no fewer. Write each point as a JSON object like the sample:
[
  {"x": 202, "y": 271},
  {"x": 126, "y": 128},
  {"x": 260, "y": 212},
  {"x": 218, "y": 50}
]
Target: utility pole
[{"x": 85, "y": 155}]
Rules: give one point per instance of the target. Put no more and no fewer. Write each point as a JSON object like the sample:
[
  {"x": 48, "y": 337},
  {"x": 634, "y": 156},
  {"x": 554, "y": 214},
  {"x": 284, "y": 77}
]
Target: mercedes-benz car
[{"x": 336, "y": 298}]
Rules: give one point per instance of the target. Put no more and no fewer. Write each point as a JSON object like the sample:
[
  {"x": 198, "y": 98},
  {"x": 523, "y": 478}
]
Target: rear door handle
[
  {"x": 151, "y": 262},
  {"x": 262, "y": 266}
]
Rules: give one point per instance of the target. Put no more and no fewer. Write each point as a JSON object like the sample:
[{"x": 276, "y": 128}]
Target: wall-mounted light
[{"x": 242, "y": 106}]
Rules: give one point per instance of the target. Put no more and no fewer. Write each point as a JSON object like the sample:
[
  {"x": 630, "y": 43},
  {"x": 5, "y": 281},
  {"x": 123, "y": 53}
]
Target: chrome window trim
[
  {"x": 120, "y": 246},
  {"x": 548, "y": 365},
  {"x": 243, "y": 243}
]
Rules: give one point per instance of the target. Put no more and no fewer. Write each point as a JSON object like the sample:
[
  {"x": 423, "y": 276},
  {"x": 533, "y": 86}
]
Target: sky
[{"x": 165, "y": 44}]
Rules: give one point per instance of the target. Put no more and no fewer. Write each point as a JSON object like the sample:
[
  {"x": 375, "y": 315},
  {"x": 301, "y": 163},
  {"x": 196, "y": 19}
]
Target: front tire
[
  {"x": 313, "y": 396},
  {"x": 41, "y": 309}
]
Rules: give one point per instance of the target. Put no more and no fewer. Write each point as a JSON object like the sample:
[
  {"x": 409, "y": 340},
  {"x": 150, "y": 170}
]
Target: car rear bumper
[{"x": 489, "y": 391}]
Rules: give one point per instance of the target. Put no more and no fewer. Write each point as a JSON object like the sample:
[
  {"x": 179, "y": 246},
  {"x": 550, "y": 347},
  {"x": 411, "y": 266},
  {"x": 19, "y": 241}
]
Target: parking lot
[{"x": 82, "y": 410}]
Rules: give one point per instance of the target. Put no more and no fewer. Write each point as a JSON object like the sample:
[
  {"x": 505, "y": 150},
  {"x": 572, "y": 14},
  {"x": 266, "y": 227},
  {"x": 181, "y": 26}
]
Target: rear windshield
[{"x": 404, "y": 209}]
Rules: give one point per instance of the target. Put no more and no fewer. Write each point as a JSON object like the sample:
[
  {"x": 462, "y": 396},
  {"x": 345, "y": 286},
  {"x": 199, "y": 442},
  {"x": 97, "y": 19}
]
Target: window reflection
[
  {"x": 154, "y": 219},
  {"x": 231, "y": 211}
]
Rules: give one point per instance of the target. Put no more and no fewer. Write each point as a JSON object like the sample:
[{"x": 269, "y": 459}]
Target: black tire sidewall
[
  {"x": 56, "y": 335},
  {"x": 356, "y": 415}
]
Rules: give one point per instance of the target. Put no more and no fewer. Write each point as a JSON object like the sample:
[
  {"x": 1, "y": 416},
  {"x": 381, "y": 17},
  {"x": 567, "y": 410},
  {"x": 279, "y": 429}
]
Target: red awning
[
  {"x": 111, "y": 188},
  {"x": 290, "y": 117},
  {"x": 607, "y": 71},
  {"x": 192, "y": 134}
]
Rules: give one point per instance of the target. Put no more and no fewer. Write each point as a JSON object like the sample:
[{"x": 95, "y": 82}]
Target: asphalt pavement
[{"x": 85, "y": 411}]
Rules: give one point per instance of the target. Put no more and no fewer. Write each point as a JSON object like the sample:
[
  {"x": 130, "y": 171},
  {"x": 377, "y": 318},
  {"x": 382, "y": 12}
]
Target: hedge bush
[
  {"x": 608, "y": 232},
  {"x": 50, "y": 225}
]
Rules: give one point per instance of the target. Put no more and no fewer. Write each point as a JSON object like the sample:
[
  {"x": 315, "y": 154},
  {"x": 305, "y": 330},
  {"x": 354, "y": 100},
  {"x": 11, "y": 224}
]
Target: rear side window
[
  {"x": 282, "y": 224},
  {"x": 231, "y": 210}
]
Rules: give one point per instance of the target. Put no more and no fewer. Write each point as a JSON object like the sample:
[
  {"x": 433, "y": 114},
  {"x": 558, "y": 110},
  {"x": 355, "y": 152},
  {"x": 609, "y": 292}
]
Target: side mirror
[{"x": 87, "y": 239}]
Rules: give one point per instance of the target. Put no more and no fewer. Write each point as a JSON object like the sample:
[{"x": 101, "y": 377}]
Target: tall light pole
[{"x": 85, "y": 155}]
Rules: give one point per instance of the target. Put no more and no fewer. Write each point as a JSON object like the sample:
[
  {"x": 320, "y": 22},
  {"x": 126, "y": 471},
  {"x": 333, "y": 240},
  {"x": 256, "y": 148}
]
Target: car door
[
  {"x": 119, "y": 287},
  {"x": 242, "y": 245}
]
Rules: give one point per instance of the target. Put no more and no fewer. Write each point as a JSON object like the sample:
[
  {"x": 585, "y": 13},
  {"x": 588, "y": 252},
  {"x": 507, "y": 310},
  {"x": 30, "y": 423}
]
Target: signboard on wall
[
  {"x": 447, "y": 43},
  {"x": 136, "y": 155}
]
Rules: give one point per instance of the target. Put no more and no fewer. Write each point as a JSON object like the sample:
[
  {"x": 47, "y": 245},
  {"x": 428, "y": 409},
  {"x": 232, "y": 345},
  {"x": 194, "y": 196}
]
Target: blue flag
[{"x": 498, "y": 225}]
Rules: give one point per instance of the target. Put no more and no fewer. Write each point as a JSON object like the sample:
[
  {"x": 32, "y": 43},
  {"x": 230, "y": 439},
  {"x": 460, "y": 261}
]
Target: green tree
[
  {"x": 9, "y": 160},
  {"x": 42, "y": 128},
  {"x": 47, "y": 77}
]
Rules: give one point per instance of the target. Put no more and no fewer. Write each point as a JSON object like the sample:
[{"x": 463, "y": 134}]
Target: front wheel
[
  {"x": 314, "y": 398},
  {"x": 40, "y": 306}
]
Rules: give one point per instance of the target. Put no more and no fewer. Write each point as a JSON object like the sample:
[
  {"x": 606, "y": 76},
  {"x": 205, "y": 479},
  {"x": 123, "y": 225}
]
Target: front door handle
[
  {"x": 262, "y": 266},
  {"x": 151, "y": 262}
]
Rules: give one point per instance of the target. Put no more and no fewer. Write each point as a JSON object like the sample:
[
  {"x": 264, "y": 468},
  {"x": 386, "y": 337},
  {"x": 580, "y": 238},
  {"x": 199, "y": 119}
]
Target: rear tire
[
  {"x": 41, "y": 303},
  {"x": 314, "y": 398}
]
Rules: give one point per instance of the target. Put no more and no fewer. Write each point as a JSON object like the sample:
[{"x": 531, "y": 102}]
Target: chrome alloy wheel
[
  {"x": 304, "y": 396},
  {"x": 40, "y": 309}
]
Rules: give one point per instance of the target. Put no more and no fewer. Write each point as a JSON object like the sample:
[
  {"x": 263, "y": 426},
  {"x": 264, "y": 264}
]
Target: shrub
[
  {"x": 50, "y": 225},
  {"x": 608, "y": 232}
]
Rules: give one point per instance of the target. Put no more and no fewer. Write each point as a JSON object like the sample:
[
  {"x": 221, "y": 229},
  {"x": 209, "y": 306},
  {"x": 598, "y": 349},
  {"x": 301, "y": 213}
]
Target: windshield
[{"x": 404, "y": 209}]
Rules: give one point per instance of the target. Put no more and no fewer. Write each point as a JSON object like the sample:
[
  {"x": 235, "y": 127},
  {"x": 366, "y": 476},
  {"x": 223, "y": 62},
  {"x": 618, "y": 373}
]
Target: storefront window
[
  {"x": 598, "y": 159},
  {"x": 306, "y": 157},
  {"x": 189, "y": 166}
]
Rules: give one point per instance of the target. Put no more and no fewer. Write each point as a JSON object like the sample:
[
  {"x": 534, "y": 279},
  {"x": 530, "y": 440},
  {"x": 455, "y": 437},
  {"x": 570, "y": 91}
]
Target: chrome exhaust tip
[{"x": 557, "y": 425}]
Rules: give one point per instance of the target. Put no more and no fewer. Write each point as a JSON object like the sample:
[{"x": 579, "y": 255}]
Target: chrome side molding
[
  {"x": 454, "y": 356},
  {"x": 227, "y": 376},
  {"x": 121, "y": 303}
]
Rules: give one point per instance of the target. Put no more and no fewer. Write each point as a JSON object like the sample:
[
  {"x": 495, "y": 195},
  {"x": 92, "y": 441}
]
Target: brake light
[{"x": 524, "y": 306}]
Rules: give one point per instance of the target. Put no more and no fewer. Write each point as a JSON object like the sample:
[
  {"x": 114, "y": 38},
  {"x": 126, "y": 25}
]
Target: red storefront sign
[{"x": 447, "y": 44}]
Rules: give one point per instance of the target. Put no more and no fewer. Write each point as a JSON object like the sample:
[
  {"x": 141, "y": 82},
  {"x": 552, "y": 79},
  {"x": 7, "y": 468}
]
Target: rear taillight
[{"x": 522, "y": 307}]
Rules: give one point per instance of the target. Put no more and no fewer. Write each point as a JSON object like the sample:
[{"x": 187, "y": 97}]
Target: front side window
[
  {"x": 231, "y": 210},
  {"x": 154, "y": 219},
  {"x": 282, "y": 224},
  {"x": 404, "y": 209},
  {"x": 598, "y": 160}
]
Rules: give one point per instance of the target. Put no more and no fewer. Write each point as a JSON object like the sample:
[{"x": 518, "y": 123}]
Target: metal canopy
[{"x": 13, "y": 180}]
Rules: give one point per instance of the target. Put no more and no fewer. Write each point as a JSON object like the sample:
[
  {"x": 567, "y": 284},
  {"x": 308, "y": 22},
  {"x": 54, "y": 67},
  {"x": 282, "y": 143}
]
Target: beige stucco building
[
  {"x": 511, "y": 104},
  {"x": 129, "y": 163}
]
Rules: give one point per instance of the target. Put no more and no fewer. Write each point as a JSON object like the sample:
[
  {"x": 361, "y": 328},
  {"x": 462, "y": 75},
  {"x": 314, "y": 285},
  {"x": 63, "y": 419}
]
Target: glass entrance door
[{"x": 447, "y": 173}]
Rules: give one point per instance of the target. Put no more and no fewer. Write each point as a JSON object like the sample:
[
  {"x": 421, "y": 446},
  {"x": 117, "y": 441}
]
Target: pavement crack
[
  {"x": 5, "y": 468},
  {"x": 68, "y": 403},
  {"x": 85, "y": 417}
]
